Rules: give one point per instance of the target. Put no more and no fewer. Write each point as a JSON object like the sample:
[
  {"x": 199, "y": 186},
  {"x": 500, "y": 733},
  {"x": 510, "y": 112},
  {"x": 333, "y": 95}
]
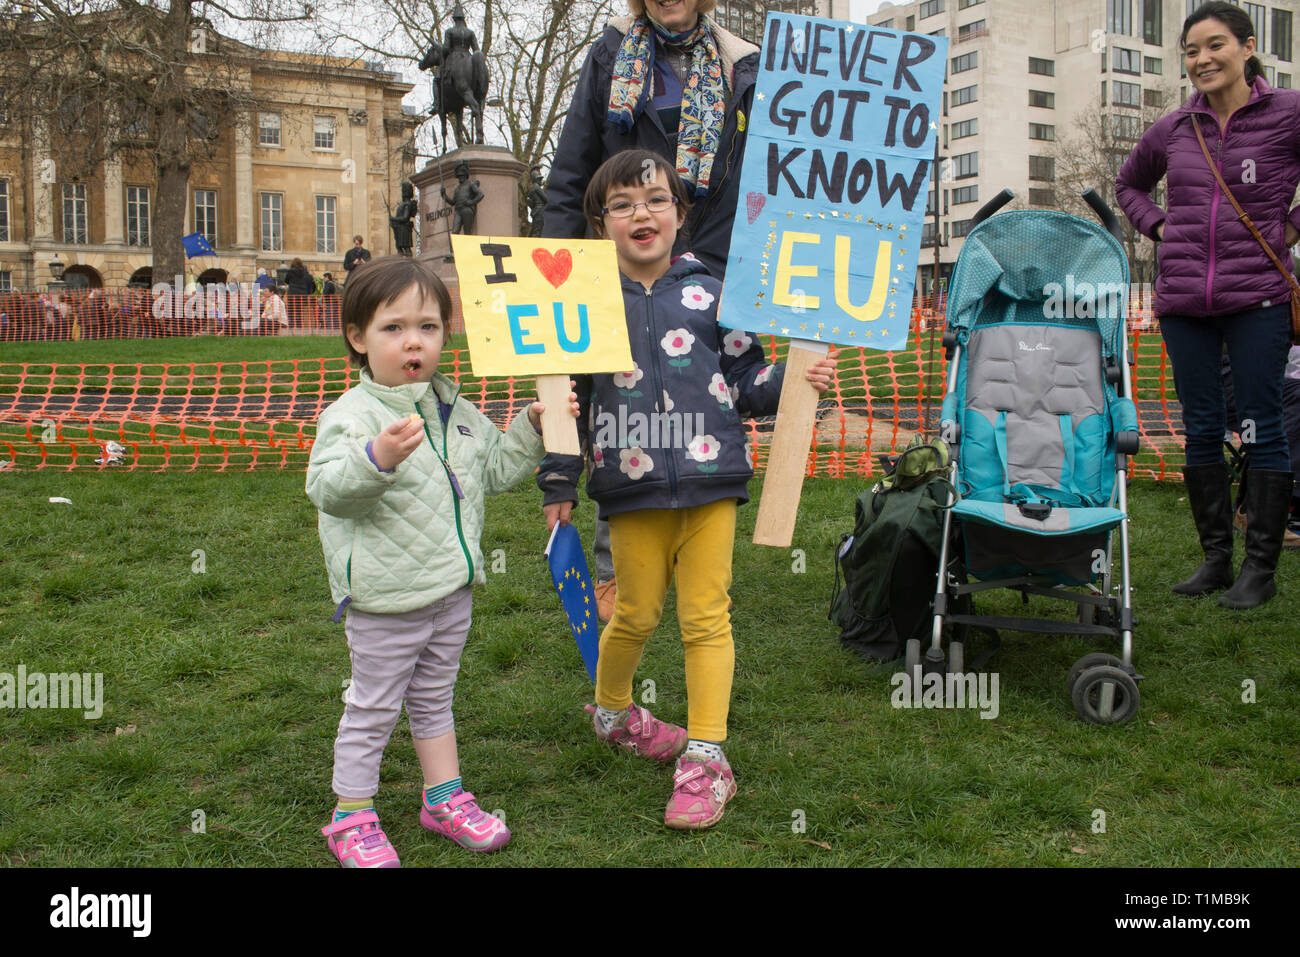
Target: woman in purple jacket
[{"x": 1217, "y": 285}]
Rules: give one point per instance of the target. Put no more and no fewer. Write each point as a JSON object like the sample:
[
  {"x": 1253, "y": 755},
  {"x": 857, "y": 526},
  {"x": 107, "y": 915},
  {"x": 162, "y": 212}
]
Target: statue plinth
[{"x": 498, "y": 174}]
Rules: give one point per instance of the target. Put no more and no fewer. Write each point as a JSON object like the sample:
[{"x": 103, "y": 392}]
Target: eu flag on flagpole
[
  {"x": 197, "y": 245},
  {"x": 573, "y": 583}
]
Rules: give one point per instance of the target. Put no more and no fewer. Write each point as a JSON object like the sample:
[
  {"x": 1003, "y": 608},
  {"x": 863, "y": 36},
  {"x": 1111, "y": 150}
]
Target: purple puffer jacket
[{"x": 1210, "y": 264}]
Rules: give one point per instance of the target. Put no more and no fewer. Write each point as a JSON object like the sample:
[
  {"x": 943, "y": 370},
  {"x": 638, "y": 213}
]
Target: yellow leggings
[{"x": 648, "y": 547}]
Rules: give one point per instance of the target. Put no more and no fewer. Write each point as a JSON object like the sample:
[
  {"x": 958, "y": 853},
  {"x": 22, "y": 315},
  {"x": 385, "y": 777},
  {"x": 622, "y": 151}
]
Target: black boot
[
  {"x": 1210, "y": 495},
  {"x": 1268, "y": 505}
]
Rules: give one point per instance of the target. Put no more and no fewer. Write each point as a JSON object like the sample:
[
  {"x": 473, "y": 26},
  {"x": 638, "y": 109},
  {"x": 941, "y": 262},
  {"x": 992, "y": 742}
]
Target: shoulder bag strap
[{"x": 1241, "y": 213}]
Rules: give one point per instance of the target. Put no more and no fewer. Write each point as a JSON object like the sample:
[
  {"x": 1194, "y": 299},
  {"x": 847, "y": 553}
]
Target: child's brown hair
[
  {"x": 629, "y": 168},
  {"x": 379, "y": 284}
]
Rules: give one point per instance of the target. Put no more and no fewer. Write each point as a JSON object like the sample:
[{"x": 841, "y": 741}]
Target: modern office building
[
  {"x": 1022, "y": 75},
  {"x": 745, "y": 18}
]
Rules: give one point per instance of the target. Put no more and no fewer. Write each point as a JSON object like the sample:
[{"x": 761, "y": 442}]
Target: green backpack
[{"x": 890, "y": 561}]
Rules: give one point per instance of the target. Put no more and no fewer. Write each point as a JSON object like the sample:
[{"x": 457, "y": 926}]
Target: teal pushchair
[{"x": 1039, "y": 413}]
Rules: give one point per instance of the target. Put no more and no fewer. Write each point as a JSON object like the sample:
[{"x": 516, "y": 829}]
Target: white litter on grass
[
  {"x": 6, "y": 465},
  {"x": 62, "y": 501},
  {"x": 112, "y": 454}
]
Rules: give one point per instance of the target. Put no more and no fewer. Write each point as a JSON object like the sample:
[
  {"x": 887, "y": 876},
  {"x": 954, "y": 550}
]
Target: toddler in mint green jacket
[{"x": 399, "y": 471}]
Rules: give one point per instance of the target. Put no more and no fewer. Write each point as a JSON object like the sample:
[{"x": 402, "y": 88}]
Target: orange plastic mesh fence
[{"x": 250, "y": 415}]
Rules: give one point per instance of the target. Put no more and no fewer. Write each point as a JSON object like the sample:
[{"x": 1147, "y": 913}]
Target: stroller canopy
[{"x": 1060, "y": 268}]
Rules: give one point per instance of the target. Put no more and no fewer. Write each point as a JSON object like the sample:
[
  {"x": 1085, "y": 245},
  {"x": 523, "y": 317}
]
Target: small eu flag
[
  {"x": 197, "y": 245},
  {"x": 573, "y": 583}
]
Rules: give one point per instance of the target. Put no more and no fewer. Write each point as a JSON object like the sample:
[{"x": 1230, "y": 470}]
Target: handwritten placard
[
  {"x": 834, "y": 183},
  {"x": 541, "y": 306}
]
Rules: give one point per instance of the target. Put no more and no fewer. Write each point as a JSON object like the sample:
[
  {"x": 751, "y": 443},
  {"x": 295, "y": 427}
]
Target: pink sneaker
[
  {"x": 643, "y": 734},
  {"x": 358, "y": 841},
  {"x": 461, "y": 820},
  {"x": 701, "y": 790}
]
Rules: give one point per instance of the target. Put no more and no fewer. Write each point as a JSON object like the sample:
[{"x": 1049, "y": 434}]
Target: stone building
[{"x": 315, "y": 162}]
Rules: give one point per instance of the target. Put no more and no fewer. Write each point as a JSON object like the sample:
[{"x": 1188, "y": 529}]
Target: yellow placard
[{"x": 541, "y": 306}]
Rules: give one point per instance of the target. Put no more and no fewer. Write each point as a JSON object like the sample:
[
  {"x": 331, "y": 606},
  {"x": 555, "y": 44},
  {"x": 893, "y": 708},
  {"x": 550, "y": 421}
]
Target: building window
[
  {"x": 885, "y": 24},
  {"x": 1042, "y": 197},
  {"x": 1119, "y": 17},
  {"x": 965, "y": 128},
  {"x": 1042, "y": 168},
  {"x": 961, "y": 227},
  {"x": 1042, "y": 67},
  {"x": 1042, "y": 98},
  {"x": 930, "y": 8},
  {"x": 965, "y": 194},
  {"x": 969, "y": 30},
  {"x": 1152, "y": 23},
  {"x": 1126, "y": 61},
  {"x": 324, "y": 133},
  {"x": 1280, "y": 41},
  {"x": 268, "y": 129},
  {"x": 325, "y": 231},
  {"x": 272, "y": 222},
  {"x": 1268, "y": 75},
  {"x": 967, "y": 61},
  {"x": 6, "y": 281},
  {"x": 911, "y": 23},
  {"x": 963, "y": 4},
  {"x": 1042, "y": 131},
  {"x": 965, "y": 165},
  {"x": 4, "y": 211},
  {"x": 1189, "y": 7},
  {"x": 927, "y": 233},
  {"x": 1127, "y": 126},
  {"x": 74, "y": 213},
  {"x": 205, "y": 214},
  {"x": 1154, "y": 99},
  {"x": 1284, "y": 81},
  {"x": 137, "y": 216},
  {"x": 967, "y": 94},
  {"x": 1126, "y": 94},
  {"x": 1258, "y": 14},
  {"x": 1152, "y": 64}
]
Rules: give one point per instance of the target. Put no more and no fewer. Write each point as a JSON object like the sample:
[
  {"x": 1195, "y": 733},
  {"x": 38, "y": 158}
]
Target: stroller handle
[
  {"x": 992, "y": 206},
  {"x": 1104, "y": 212}
]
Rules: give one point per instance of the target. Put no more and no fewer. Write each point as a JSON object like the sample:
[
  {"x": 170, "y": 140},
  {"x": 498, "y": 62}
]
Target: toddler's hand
[
  {"x": 822, "y": 374},
  {"x": 395, "y": 443},
  {"x": 537, "y": 408},
  {"x": 558, "y": 512}
]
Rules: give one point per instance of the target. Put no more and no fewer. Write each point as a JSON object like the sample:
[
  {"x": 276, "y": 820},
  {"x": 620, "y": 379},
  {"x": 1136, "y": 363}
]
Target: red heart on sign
[{"x": 554, "y": 268}]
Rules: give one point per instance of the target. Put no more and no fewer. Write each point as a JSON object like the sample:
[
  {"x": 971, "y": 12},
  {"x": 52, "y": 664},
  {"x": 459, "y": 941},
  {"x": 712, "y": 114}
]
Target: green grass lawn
[{"x": 222, "y": 696}]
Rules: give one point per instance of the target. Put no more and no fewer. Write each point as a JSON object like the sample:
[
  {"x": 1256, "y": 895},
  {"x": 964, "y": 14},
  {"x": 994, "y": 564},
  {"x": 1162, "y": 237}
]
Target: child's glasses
[{"x": 622, "y": 209}]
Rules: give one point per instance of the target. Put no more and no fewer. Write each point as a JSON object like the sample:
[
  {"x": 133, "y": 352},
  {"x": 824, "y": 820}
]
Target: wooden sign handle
[
  {"x": 796, "y": 417},
  {"x": 559, "y": 427}
]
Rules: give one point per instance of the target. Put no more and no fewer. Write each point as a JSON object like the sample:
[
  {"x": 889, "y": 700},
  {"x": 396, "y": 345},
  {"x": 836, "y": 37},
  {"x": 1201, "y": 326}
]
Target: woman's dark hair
[
  {"x": 296, "y": 263},
  {"x": 628, "y": 168},
  {"x": 378, "y": 283},
  {"x": 1238, "y": 23}
]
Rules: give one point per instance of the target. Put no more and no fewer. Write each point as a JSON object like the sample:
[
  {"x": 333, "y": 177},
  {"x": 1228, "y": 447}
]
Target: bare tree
[
  {"x": 535, "y": 52},
  {"x": 152, "y": 79},
  {"x": 1091, "y": 153}
]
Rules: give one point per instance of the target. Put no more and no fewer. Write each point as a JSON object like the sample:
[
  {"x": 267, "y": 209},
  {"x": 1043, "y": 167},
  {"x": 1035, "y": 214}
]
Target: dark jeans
[{"x": 1258, "y": 341}]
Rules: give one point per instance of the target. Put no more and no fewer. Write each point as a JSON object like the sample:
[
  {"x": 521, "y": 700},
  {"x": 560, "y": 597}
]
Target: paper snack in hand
[{"x": 573, "y": 584}]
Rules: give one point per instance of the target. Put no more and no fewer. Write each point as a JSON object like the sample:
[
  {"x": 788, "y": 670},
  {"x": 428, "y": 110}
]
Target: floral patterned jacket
[{"x": 668, "y": 433}]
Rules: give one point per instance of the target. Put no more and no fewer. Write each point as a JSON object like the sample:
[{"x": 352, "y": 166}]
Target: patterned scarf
[{"x": 704, "y": 94}]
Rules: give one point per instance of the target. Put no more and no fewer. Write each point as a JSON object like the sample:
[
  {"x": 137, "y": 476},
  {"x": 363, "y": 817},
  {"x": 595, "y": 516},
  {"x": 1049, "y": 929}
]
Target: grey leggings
[{"x": 409, "y": 658}]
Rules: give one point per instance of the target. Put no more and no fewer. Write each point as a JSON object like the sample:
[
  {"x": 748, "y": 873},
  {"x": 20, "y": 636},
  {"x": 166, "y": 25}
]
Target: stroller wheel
[
  {"x": 1092, "y": 661},
  {"x": 1106, "y": 695},
  {"x": 956, "y": 658}
]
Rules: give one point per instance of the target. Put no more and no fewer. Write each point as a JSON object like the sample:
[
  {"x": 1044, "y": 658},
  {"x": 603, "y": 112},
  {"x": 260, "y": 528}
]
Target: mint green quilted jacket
[{"x": 399, "y": 541}]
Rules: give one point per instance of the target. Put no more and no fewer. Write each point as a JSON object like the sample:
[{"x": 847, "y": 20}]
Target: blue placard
[{"x": 834, "y": 183}]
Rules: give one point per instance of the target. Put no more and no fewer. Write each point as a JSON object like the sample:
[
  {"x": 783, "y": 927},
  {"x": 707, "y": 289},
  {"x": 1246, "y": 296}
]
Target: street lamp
[{"x": 56, "y": 274}]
